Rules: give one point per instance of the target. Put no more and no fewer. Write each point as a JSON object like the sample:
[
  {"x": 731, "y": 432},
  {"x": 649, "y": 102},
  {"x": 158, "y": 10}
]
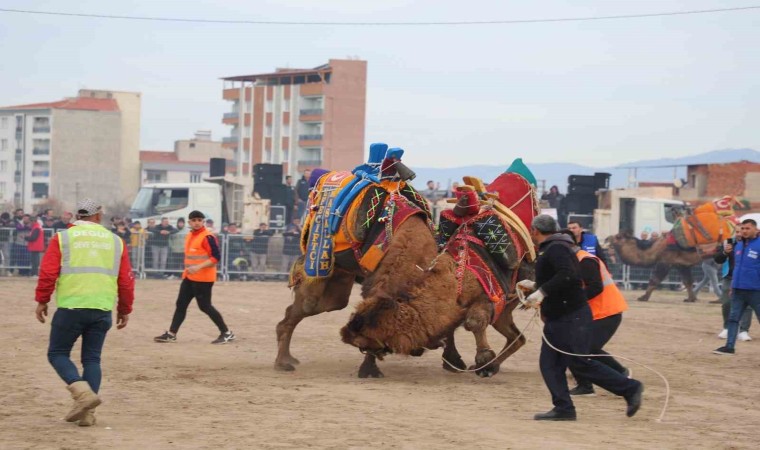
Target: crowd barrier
[{"x": 245, "y": 257}]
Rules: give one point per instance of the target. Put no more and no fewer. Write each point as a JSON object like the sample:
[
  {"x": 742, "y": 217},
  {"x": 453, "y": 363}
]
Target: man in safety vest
[
  {"x": 201, "y": 255},
  {"x": 586, "y": 241},
  {"x": 607, "y": 305},
  {"x": 558, "y": 292},
  {"x": 88, "y": 267}
]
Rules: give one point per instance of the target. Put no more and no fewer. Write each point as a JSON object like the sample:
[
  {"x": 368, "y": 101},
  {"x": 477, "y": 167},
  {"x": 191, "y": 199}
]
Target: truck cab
[
  {"x": 175, "y": 200},
  {"x": 648, "y": 214}
]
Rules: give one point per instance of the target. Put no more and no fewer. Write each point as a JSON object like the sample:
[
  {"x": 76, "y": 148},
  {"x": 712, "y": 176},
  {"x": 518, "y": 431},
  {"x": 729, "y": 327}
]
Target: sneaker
[
  {"x": 166, "y": 337},
  {"x": 723, "y": 334},
  {"x": 724, "y": 351},
  {"x": 744, "y": 336},
  {"x": 581, "y": 390},
  {"x": 224, "y": 338}
]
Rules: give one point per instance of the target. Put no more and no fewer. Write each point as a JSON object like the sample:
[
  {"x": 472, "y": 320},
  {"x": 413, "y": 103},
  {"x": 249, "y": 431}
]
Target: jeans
[
  {"x": 160, "y": 255},
  {"x": 571, "y": 333},
  {"x": 66, "y": 327},
  {"x": 710, "y": 269},
  {"x": 740, "y": 299},
  {"x": 725, "y": 299},
  {"x": 602, "y": 331}
]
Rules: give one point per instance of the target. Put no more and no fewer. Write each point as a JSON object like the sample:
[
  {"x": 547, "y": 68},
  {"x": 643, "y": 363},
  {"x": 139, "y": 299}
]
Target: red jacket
[
  {"x": 50, "y": 268},
  {"x": 38, "y": 243}
]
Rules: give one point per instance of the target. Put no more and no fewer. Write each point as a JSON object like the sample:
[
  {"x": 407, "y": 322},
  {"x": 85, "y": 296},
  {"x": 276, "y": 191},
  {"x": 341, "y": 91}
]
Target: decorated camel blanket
[
  {"x": 709, "y": 223},
  {"x": 363, "y": 222}
]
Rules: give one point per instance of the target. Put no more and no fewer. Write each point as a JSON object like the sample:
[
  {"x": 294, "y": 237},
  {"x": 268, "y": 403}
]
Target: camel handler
[
  {"x": 201, "y": 256},
  {"x": 558, "y": 292},
  {"x": 607, "y": 305},
  {"x": 88, "y": 267}
]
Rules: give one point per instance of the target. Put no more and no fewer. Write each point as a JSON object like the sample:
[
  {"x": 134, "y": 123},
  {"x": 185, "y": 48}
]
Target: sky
[{"x": 596, "y": 93}]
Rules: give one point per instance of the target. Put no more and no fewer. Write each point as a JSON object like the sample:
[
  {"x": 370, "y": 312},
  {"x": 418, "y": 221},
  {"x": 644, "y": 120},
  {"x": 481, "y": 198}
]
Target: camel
[
  {"x": 412, "y": 245},
  {"x": 662, "y": 256},
  {"x": 426, "y": 315}
]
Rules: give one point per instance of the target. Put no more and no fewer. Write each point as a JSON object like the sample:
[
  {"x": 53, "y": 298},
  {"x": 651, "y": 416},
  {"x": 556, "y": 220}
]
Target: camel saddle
[
  {"x": 355, "y": 225},
  {"x": 709, "y": 223}
]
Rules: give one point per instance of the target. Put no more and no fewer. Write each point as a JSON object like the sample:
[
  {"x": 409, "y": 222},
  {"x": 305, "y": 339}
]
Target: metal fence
[{"x": 244, "y": 257}]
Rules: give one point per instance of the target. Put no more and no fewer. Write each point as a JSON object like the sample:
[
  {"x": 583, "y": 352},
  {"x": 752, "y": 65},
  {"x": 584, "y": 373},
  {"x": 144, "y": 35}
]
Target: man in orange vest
[
  {"x": 201, "y": 256},
  {"x": 607, "y": 305}
]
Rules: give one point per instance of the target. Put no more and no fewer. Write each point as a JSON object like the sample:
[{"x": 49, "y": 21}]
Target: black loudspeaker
[
  {"x": 581, "y": 189},
  {"x": 277, "y": 193},
  {"x": 581, "y": 180},
  {"x": 579, "y": 204},
  {"x": 217, "y": 167},
  {"x": 602, "y": 180},
  {"x": 267, "y": 173}
]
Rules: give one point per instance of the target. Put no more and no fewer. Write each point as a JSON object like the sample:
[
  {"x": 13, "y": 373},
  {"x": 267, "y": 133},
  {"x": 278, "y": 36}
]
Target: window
[
  {"x": 155, "y": 176},
  {"x": 285, "y": 105},
  {"x": 3, "y": 143},
  {"x": 195, "y": 177},
  {"x": 192, "y": 145},
  {"x": 3, "y": 123},
  {"x": 3, "y": 166},
  {"x": 247, "y": 131},
  {"x": 268, "y": 106},
  {"x": 41, "y": 147},
  {"x": 286, "y": 129},
  {"x": 40, "y": 169},
  {"x": 268, "y": 131},
  {"x": 40, "y": 190},
  {"x": 3, "y": 187}
]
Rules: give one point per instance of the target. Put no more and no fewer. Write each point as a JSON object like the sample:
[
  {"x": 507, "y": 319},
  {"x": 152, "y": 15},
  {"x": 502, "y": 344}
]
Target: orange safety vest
[
  {"x": 611, "y": 300},
  {"x": 197, "y": 252}
]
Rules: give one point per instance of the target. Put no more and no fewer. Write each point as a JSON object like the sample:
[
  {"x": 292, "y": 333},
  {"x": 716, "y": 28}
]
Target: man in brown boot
[{"x": 87, "y": 267}]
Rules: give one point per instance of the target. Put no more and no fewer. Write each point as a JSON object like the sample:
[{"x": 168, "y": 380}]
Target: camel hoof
[
  {"x": 643, "y": 299},
  {"x": 283, "y": 367},
  {"x": 457, "y": 363},
  {"x": 689, "y": 300},
  {"x": 372, "y": 372},
  {"x": 290, "y": 360},
  {"x": 484, "y": 357}
]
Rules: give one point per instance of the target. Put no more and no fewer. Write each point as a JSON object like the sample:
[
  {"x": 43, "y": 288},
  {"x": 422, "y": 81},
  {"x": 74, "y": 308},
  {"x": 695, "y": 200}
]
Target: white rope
[{"x": 543, "y": 336}]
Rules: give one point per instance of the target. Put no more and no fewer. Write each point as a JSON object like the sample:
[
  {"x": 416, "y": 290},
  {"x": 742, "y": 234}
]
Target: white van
[{"x": 648, "y": 214}]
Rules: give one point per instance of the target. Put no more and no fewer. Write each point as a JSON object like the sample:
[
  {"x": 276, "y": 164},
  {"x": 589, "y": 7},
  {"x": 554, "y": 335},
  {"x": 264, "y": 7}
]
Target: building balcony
[
  {"x": 231, "y": 118},
  {"x": 311, "y": 89},
  {"x": 41, "y": 151},
  {"x": 309, "y": 162},
  {"x": 309, "y": 137},
  {"x": 231, "y": 94},
  {"x": 41, "y": 129},
  {"x": 311, "y": 112},
  {"x": 230, "y": 140},
  {"x": 40, "y": 173}
]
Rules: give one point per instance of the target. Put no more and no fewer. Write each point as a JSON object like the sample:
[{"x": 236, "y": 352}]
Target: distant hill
[{"x": 557, "y": 173}]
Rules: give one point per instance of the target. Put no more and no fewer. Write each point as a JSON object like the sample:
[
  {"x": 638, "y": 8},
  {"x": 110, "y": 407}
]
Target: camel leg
[
  {"x": 310, "y": 300},
  {"x": 451, "y": 355},
  {"x": 659, "y": 273},
  {"x": 477, "y": 322},
  {"x": 505, "y": 325},
  {"x": 688, "y": 281}
]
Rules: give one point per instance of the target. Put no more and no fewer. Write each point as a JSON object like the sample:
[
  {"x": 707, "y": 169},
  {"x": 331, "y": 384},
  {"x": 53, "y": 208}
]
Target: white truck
[
  {"x": 219, "y": 198},
  {"x": 634, "y": 213}
]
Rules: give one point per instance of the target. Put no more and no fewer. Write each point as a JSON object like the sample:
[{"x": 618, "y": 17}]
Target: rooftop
[
  {"x": 77, "y": 103},
  {"x": 288, "y": 76}
]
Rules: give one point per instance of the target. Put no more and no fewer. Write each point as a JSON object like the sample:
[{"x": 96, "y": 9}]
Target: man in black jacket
[{"x": 567, "y": 319}]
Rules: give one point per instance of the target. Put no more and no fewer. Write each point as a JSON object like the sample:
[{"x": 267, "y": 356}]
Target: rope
[{"x": 543, "y": 336}]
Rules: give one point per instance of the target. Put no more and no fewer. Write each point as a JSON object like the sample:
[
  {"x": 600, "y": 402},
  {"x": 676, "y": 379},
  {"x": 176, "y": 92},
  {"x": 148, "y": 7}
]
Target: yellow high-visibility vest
[{"x": 90, "y": 262}]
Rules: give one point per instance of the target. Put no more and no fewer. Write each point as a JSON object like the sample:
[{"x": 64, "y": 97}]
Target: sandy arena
[{"x": 195, "y": 395}]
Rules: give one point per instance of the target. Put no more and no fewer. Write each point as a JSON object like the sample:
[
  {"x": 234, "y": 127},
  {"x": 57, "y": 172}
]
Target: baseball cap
[{"x": 88, "y": 207}]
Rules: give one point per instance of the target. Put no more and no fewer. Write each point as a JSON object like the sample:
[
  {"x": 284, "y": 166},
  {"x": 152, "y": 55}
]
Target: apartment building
[
  {"x": 188, "y": 163},
  {"x": 300, "y": 118},
  {"x": 69, "y": 149}
]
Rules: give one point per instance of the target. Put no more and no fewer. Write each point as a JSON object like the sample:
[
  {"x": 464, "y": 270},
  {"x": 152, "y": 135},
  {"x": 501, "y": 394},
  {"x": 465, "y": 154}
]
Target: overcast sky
[{"x": 596, "y": 93}]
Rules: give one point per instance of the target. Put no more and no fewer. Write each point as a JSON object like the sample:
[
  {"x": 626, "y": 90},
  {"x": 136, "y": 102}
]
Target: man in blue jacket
[
  {"x": 587, "y": 241},
  {"x": 746, "y": 282}
]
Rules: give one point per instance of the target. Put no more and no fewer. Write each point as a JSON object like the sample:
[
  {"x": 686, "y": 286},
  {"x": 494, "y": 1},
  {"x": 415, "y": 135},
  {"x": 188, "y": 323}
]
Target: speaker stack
[
  {"x": 267, "y": 182},
  {"x": 581, "y": 192}
]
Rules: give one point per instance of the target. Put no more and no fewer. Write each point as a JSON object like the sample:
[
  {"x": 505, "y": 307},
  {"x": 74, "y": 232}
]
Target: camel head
[{"x": 372, "y": 325}]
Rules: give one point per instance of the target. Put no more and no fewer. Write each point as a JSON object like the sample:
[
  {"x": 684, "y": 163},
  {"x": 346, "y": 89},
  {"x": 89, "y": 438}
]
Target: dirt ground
[{"x": 195, "y": 395}]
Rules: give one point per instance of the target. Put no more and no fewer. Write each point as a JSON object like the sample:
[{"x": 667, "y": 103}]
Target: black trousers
[
  {"x": 201, "y": 291},
  {"x": 602, "y": 331},
  {"x": 572, "y": 333}
]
